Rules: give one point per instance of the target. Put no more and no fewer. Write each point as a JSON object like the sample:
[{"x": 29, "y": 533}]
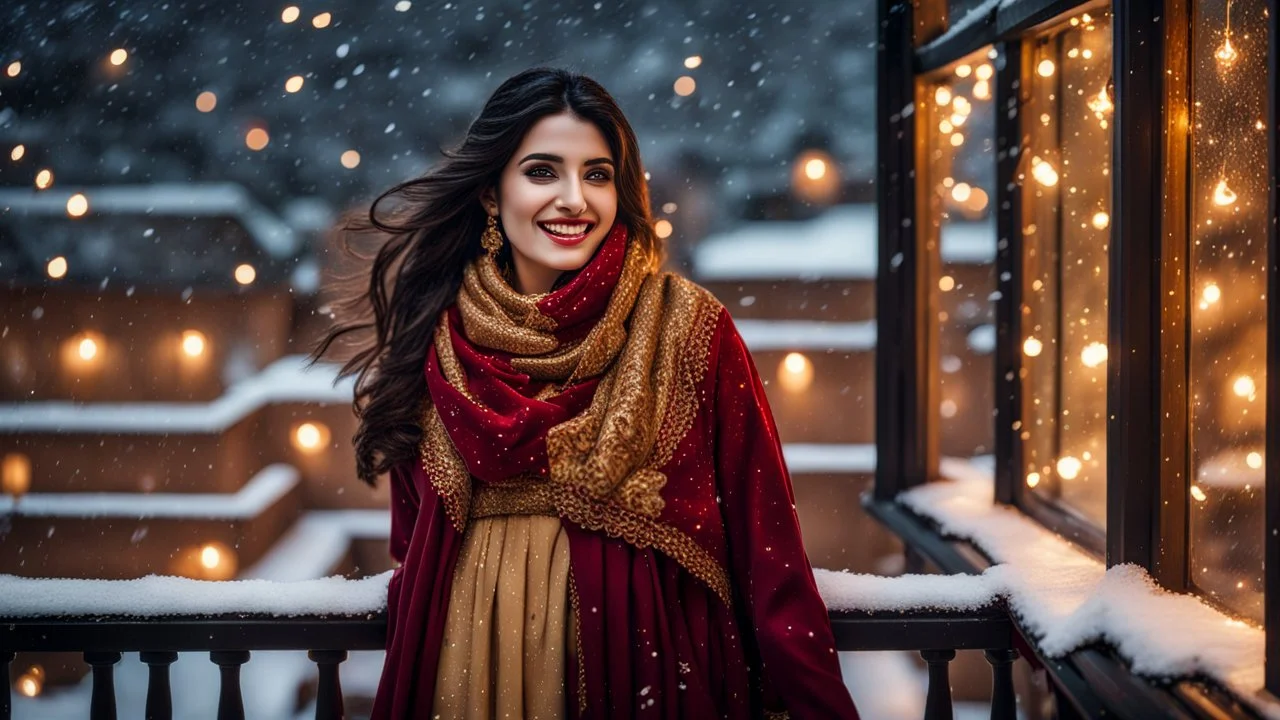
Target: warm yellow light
[
  {"x": 1198, "y": 494},
  {"x": 210, "y": 557},
  {"x": 311, "y": 436},
  {"x": 957, "y": 119},
  {"x": 1046, "y": 68},
  {"x": 957, "y": 140},
  {"x": 1254, "y": 459},
  {"x": 964, "y": 71},
  {"x": 1069, "y": 467},
  {"x": 77, "y": 205},
  {"x": 1093, "y": 354},
  {"x": 1043, "y": 172},
  {"x": 1101, "y": 220},
  {"x": 57, "y": 267},
  {"x": 946, "y": 283},
  {"x": 350, "y": 159},
  {"x": 256, "y": 139},
  {"x": 322, "y": 20},
  {"x": 29, "y": 685},
  {"x": 290, "y": 13},
  {"x": 945, "y": 127},
  {"x": 984, "y": 71},
  {"x": 815, "y": 169},
  {"x": 206, "y": 101},
  {"x": 1211, "y": 294},
  {"x": 796, "y": 372},
  {"x": 982, "y": 89},
  {"x": 1226, "y": 53},
  {"x": 961, "y": 192},
  {"x": 948, "y": 408},
  {"x": 44, "y": 179},
  {"x": 1033, "y": 479},
  {"x": 685, "y": 86},
  {"x": 17, "y": 152},
  {"x": 245, "y": 274},
  {"x": 88, "y": 349},
  {"x": 15, "y": 474},
  {"x": 1032, "y": 347},
  {"x": 978, "y": 201},
  {"x": 663, "y": 229},
  {"x": 14, "y": 69},
  {"x": 193, "y": 343},
  {"x": 293, "y": 84},
  {"x": 1223, "y": 196},
  {"x": 693, "y": 61},
  {"x": 118, "y": 56},
  {"x": 1101, "y": 103},
  {"x": 962, "y": 105},
  {"x": 942, "y": 95},
  {"x": 1244, "y": 387}
]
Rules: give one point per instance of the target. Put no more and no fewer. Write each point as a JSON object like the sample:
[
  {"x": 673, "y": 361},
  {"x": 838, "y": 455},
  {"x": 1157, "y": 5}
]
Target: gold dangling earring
[{"x": 491, "y": 238}]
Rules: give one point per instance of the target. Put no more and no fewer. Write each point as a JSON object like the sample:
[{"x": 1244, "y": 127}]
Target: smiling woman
[{"x": 588, "y": 496}]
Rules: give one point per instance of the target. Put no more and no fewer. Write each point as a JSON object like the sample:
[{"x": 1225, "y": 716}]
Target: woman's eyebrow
[{"x": 557, "y": 159}]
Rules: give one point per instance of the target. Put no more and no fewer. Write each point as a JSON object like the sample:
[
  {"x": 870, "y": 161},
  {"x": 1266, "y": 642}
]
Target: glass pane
[
  {"x": 1229, "y": 316},
  {"x": 1066, "y": 185},
  {"x": 961, "y": 175}
]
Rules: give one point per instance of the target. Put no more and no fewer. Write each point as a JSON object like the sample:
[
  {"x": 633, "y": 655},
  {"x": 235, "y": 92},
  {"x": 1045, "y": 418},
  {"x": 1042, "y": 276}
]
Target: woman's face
[{"x": 556, "y": 200}]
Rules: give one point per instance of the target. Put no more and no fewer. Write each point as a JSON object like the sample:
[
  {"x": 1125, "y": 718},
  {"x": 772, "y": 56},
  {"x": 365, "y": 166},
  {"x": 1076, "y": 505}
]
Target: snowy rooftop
[
  {"x": 286, "y": 380},
  {"x": 839, "y": 244}
]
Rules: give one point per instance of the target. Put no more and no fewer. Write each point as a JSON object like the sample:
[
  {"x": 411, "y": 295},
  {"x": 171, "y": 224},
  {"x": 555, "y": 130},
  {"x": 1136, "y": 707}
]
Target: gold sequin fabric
[{"x": 650, "y": 348}]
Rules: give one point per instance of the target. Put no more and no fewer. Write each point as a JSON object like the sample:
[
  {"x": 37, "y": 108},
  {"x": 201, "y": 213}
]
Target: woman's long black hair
[{"x": 389, "y": 314}]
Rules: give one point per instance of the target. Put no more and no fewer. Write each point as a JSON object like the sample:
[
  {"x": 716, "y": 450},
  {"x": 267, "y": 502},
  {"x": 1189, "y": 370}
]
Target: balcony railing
[{"x": 230, "y": 639}]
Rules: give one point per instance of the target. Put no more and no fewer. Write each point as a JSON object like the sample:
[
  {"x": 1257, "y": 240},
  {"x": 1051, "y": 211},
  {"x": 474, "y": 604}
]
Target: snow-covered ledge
[{"x": 1065, "y": 599}]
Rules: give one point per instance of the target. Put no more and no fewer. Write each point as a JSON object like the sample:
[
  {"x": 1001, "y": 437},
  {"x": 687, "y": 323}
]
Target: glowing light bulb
[
  {"x": 1101, "y": 220},
  {"x": 982, "y": 89},
  {"x": 1093, "y": 354},
  {"x": 1198, "y": 494},
  {"x": 1101, "y": 103},
  {"x": 17, "y": 152},
  {"x": 193, "y": 343},
  {"x": 1223, "y": 196},
  {"x": 350, "y": 159},
  {"x": 88, "y": 349},
  {"x": 964, "y": 71},
  {"x": 44, "y": 179},
  {"x": 322, "y": 20},
  {"x": 290, "y": 14},
  {"x": 957, "y": 119},
  {"x": 815, "y": 169},
  {"x": 1043, "y": 172},
  {"x": 1046, "y": 68},
  {"x": 245, "y": 274},
  {"x": 1033, "y": 479},
  {"x": 256, "y": 139},
  {"x": 961, "y": 192},
  {"x": 14, "y": 69},
  {"x": 1032, "y": 347},
  {"x": 945, "y": 127},
  {"x": 206, "y": 101},
  {"x": 1254, "y": 459},
  {"x": 942, "y": 96},
  {"x": 663, "y": 229},
  {"x": 962, "y": 105},
  {"x": 210, "y": 557},
  {"x": 1244, "y": 387},
  {"x": 57, "y": 267},
  {"x": 957, "y": 140},
  {"x": 685, "y": 85},
  {"x": 984, "y": 71},
  {"x": 946, "y": 283},
  {"x": 693, "y": 61},
  {"x": 1211, "y": 294},
  {"x": 77, "y": 205},
  {"x": 795, "y": 373},
  {"x": 293, "y": 84},
  {"x": 1226, "y": 53},
  {"x": 119, "y": 56},
  {"x": 1069, "y": 467}
]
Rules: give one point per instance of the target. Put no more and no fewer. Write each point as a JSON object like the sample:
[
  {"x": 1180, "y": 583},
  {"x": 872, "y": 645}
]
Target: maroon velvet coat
[{"x": 655, "y": 640}]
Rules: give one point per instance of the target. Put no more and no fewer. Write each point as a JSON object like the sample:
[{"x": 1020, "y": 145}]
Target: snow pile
[
  {"x": 845, "y": 591},
  {"x": 162, "y": 596},
  {"x": 1066, "y": 599}
]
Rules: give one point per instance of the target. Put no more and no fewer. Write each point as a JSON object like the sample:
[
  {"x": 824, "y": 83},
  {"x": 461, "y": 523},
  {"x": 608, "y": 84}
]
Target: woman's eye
[
  {"x": 540, "y": 171},
  {"x": 599, "y": 175}
]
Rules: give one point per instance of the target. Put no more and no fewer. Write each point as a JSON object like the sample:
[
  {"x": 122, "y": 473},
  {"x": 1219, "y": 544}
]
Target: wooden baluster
[
  {"x": 6, "y": 700},
  {"x": 937, "y": 703},
  {"x": 1003, "y": 704},
  {"x": 329, "y": 705},
  {"x": 230, "y": 701},
  {"x": 159, "y": 698},
  {"x": 102, "y": 705}
]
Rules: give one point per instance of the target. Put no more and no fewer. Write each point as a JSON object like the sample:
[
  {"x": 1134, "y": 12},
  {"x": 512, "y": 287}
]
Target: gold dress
[{"x": 510, "y": 627}]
